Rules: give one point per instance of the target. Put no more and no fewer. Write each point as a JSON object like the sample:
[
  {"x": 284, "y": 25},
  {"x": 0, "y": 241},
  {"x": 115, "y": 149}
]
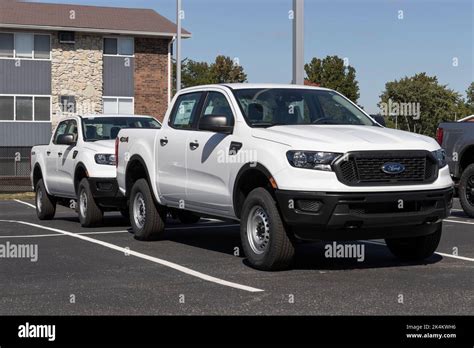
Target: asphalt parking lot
[{"x": 195, "y": 271}]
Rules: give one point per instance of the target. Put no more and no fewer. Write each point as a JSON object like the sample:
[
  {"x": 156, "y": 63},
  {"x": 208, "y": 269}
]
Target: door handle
[
  {"x": 164, "y": 142},
  {"x": 60, "y": 154},
  {"x": 194, "y": 145},
  {"x": 48, "y": 153}
]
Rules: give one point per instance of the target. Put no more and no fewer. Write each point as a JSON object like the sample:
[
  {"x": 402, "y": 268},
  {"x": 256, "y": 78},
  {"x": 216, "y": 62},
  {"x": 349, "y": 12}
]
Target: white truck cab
[
  {"x": 288, "y": 162},
  {"x": 79, "y": 164}
]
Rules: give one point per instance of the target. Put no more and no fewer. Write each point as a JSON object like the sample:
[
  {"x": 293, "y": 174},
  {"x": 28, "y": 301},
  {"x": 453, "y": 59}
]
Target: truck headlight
[
  {"x": 440, "y": 155},
  {"x": 104, "y": 159},
  {"x": 312, "y": 159}
]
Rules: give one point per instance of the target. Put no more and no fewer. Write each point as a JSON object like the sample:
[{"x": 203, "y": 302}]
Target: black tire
[
  {"x": 415, "y": 248},
  {"x": 186, "y": 217},
  {"x": 90, "y": 214},
  {"x": 152, "y": 226},
  {"x": 278, "y": 251},
  {"x": 466, "y": 184},
  {"x": 45, "y": 204}
]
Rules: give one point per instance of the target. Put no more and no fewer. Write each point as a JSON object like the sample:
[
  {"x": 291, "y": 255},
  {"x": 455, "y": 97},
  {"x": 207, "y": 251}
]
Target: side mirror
[
  {"x": 216, "y": 123},
  {"x": 66, "y": 139},
  {"x": 380, "y": 119}
]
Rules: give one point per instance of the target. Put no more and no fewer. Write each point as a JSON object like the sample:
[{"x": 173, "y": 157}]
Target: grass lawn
[{"x": 21, "y": 196}]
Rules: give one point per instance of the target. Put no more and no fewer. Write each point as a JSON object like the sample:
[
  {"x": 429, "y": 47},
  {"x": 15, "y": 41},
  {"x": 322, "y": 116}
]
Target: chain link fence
[{"x": 15, "y": 169}]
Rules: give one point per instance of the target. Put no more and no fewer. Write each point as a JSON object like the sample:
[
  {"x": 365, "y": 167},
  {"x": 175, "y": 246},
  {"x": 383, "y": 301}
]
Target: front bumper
[
  {"x": 106, "y": 192},
  {"x": 374, "y": 215}
]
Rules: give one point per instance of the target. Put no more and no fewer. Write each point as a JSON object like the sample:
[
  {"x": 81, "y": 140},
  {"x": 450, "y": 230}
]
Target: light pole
[
  {"x": 178, "y": 45},
  {"x": 298, "y": 42}
]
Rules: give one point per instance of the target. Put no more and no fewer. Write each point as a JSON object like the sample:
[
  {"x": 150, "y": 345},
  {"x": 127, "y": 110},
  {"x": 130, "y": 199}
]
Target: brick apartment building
[{"x": 58, "y": 59}]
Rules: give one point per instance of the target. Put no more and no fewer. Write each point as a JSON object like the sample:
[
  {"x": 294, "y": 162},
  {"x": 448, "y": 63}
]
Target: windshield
[
  {"x": 107, "y": 128},
  {"x": 271, "y": 107}
]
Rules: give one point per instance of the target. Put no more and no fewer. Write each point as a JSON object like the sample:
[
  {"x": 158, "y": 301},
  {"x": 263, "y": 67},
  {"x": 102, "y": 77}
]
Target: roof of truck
[{"x": 269, "y": 85}]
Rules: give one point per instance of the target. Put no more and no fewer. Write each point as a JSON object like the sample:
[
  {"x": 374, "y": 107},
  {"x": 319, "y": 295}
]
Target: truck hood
[
  {"x": 345, "y": 138},
  {"x": 101, "y": 146}
]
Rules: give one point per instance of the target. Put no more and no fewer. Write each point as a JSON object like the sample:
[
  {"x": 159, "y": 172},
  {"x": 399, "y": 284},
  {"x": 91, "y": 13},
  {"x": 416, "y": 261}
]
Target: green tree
[
  {"x": 331, "y": 72},
  {"x": 419, "y": 103},
  {"x": 223, "y": 70},
  {"x": 195, "y": 73},
  {"x": 470, "y": 97}
]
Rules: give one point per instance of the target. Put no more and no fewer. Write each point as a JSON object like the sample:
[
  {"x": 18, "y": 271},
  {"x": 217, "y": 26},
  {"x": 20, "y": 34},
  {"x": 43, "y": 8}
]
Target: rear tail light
[
  {"x": 116, "y": 151},
  {"x": 440, "y": 135}
]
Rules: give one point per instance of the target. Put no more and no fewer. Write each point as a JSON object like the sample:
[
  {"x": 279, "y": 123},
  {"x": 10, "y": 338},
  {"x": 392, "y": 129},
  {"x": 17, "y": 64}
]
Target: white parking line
[
  {"x": 25, "y": 203},
  {"x": 62, "y": 235},
  {"x": 143, "y": 256},
  {"x": 441, "y": 254},
  {"x": 107, "y": 232},
  {"x": 460, "y": 222}
]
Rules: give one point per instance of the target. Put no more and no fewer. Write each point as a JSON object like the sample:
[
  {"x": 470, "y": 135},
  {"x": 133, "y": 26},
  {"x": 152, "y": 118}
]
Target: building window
[
  {"x": 7, "y": 108},
  {"x": 67, "y": 37},
  {"x": 6, "y": 45},
  {"x": 42, "y": 47},
  {"x": 118, "y": 106},
  {"x": 25, "y": 46},
  {"x": 42, "y": 108},
  {"x": 121, "y": 46},
  {"x": 25, "y": 108},
  {"x": 67, "y": 103}
]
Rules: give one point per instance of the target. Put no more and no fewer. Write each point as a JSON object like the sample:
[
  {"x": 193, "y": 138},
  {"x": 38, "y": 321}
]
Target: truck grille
[{"x": 365, "y": 168}]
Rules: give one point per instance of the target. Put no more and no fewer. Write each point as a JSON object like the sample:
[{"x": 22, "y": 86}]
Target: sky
[{"x": 434, "y": 36}]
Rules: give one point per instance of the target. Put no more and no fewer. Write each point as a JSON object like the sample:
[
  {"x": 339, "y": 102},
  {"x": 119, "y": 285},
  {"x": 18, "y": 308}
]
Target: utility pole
[
  {"x": 178, "y": 45},
  {"x": 298, "y": 42}
]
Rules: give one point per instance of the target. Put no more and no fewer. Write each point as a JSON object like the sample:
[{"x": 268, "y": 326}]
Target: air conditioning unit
[{"x": 67, "y": 37}]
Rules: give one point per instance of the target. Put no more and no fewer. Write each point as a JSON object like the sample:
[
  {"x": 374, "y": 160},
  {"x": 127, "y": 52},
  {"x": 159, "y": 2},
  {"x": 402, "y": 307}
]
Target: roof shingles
[{"x": 87, "y": 17}]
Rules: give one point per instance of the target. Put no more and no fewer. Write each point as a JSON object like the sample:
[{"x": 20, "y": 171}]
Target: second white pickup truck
[
  {"x": 79, "y": 165},
  {"x": 288, "y": 162}
]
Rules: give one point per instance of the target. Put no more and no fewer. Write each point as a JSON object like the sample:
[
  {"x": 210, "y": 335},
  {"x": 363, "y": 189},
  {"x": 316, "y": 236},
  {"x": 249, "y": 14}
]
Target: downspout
[{"x": 170, "y": 69}]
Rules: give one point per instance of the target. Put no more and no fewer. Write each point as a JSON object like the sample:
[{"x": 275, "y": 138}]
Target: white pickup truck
[
  {"x": 79, "y": 165},
  {"x": 290, "y": 163}
]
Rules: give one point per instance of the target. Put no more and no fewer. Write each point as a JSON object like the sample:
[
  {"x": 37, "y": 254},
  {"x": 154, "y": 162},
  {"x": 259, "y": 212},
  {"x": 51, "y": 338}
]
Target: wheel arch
[
  {"x": 466, "y": 158},
  {"x": 79, "y": 173},
  {"x": 249, "y": 177},
  {"x": 136, "y": 169}
]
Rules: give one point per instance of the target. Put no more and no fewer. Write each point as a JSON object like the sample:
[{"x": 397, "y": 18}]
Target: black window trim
[
  {"x": 198, "y": 110},
  {"x": 201, "y": 114},
  {"x": 57, "y": 129}
]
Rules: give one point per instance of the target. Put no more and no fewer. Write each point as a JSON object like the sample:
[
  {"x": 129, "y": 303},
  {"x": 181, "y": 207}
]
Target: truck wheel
[
  {"x": 45, "y": 204},
  {"x": 416, "y": 248},
  {"x": 148, "y": 220},
  {"x": 90, "y": 214},
  {"x": 264, "y": 238},
  {"x": 466, "y": 190},
  {"x": 186, "y": 217}
]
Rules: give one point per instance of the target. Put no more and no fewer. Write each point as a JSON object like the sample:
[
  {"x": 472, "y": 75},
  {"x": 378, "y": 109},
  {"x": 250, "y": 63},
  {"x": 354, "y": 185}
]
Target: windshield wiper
[{"x": 268, "y": 124}]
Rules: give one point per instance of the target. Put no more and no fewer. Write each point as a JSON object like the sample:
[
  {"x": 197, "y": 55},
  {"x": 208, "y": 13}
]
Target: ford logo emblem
[{"x": 393, "y": 168}]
